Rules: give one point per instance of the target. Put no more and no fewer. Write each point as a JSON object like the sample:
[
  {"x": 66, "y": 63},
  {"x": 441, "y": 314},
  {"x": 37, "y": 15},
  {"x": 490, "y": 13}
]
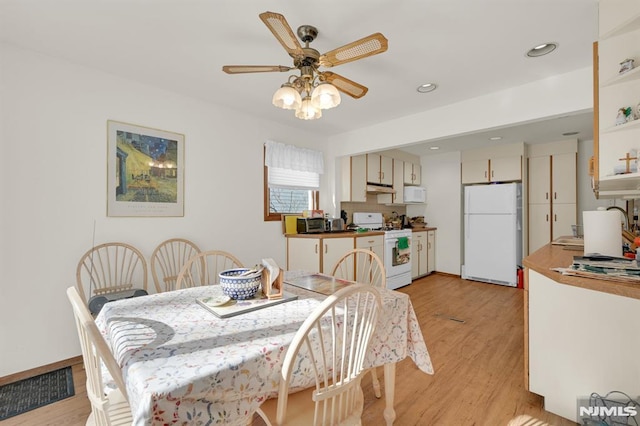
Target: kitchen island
[{"x": 580, "y": 334}]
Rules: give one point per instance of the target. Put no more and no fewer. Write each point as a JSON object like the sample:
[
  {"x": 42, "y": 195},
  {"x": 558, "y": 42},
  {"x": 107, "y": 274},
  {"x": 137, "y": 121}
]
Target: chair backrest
[
  {"x": 110, "y": 267},
  {"x": 203, "y": 268},
  {"x": 167, "y": 261},
  {"x": 95, "y": 352},
  {"x": 363, "y": 266},
  {"x": 335, "y": 354}
]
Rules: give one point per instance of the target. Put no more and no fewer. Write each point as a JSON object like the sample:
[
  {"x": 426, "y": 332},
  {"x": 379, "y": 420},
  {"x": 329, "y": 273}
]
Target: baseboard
[
  {"x": 40, "y": 370},
  {"x": 447, "y": 274}
]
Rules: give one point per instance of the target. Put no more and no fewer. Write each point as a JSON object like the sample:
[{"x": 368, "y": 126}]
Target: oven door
[{"x": 397, "y": 260}]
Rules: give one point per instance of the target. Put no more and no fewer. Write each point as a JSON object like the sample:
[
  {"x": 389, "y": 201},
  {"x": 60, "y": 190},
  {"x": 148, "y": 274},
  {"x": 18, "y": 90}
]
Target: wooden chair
[
  {"x": 167, "y": 261},
  {"x": 337, "y": 363},
  {"x": 363, "y": 266},
  {"x": 109, "y": 268},
  {"x": 203, "y": 268},
  {"x": 108, "y": 409}
]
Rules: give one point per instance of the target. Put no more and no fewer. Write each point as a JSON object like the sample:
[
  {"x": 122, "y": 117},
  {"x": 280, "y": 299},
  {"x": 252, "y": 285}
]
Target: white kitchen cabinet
[
  {"x": 354, "y": 178},
  {"x": 316, "y": 254},
  {"x": 332, "y": 250},
  {"x": 619, "y": 38},
  {"x": 564, "y": 215},
  {"x": 304, "y": 254},
  {"x": 539, "y": 225},
  {"x": 431, "y": 251},
  {"x": 552, "y": 197},
  {"x": 379, "y": 169},
  {"x": 398, "y": 185},
  {"x": 412, "y": 173},
  {"x": 423, "y": 245},
  {"x": 374, "y": 243},
  {"x": 499, "y": 169}
]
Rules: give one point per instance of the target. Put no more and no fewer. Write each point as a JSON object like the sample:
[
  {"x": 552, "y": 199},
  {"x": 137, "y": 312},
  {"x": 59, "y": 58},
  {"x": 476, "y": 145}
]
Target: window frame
[{"x": 268, "y": 216}]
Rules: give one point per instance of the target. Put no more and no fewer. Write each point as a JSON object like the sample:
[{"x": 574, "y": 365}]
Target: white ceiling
[{"x": 468, "y": 47}]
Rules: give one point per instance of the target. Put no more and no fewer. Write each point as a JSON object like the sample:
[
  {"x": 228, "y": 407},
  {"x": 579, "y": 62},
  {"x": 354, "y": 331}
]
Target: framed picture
[{"x": 145, "y": 175}]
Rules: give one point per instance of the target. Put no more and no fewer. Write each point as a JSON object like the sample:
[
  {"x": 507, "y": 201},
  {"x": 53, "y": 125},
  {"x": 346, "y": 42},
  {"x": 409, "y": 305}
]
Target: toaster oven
[{"x": 309, "y": 225}]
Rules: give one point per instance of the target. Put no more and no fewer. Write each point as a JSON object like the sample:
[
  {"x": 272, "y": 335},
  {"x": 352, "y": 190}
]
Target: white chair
[
  {"x": 366, "y": 267},
  {"x": 110, "y": 268},
  {"x": 335, "y": 355},
  {"x": 108, "y": 409},
  {"x": 203, "y": 268},
  {"x": 167, "y": 261}
]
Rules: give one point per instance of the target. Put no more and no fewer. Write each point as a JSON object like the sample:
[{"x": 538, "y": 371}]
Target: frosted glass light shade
[
  {"x": 307, "y": 111},
  {"x": 325, "y": 96},
  {"x": 286, "y": 97}
]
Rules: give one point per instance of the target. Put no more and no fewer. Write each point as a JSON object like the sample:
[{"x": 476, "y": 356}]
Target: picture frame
[{"x": 145, "y": 171}]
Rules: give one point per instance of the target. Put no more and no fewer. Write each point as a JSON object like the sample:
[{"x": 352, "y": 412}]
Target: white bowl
[{"x": 239, "y": 287}]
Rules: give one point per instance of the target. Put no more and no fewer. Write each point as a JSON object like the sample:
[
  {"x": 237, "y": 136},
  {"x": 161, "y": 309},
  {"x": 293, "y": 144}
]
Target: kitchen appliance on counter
[
  {"x": 493, "y": 233},
  {"x": 335, "y": 224},
  {"x": 397, "y": 248},
  {"x": 310, "y": 225}
]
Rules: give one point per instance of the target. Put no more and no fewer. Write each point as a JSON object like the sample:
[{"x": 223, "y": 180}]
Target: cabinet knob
[
  {"x": 555, "y": 195},
  {"x": 316, "y": 248},
  {"x": 546, "y": 195},
  {"x": 547, "y": 218},
  {"x": 325, "y": 248}
]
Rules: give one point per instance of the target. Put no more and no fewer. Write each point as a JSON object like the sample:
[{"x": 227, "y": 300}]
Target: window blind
[{"x": 291, "y": 167}]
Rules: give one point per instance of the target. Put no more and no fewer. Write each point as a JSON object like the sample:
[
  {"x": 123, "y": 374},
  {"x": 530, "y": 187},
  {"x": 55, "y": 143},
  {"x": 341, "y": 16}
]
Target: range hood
[{"x": 379, "y": 189}]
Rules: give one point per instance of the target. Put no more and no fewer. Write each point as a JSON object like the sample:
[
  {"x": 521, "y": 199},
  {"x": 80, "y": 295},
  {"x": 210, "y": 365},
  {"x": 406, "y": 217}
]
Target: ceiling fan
[{"x": 312, "y": 90}]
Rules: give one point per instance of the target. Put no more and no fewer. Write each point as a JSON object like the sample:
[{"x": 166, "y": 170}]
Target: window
[{"x": 291, "y": 179}]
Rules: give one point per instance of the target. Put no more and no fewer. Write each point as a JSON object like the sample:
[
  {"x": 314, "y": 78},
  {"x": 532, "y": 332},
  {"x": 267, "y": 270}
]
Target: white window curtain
[{"x": 292, "y": 167}]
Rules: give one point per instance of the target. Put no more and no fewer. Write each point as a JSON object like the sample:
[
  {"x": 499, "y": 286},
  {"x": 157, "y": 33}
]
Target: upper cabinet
[
  {"x": 412, "y": 173},
  {"x": 616, "y": 88},
  {"x": 379, "y": 169},
  {"x": 353, "y": 184},
  {"x": 499, "y": 169}
]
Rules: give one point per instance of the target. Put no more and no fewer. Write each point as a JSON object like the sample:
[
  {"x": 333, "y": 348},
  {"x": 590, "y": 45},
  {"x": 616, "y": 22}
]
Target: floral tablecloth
[{"x": 184, "y": 365}]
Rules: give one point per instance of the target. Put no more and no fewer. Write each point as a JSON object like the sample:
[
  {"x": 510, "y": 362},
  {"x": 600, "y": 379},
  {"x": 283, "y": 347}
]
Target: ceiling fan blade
[
  {"x": 241, "y": 69},
  {"x": 283, "y": 32},
  {"x": 345, "y": 85},
  {"x": 368, "y": 46}
]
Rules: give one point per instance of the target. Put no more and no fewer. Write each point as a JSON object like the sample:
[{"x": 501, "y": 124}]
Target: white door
[
  {"x": 539, "y": 226},
  {"x": 490, "y": 248},
  {"x": 564, "y": 215}
]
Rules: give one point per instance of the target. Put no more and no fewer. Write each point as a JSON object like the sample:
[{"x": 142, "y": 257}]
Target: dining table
[{"x": 184, "y": 365}]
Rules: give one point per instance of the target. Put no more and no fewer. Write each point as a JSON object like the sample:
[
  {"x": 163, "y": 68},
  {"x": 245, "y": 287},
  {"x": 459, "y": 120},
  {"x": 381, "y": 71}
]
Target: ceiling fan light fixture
[
  {"x": 325, "y": 96},
  {"x": 286, "y": 97},
  {"x": 307, "y": 110}
]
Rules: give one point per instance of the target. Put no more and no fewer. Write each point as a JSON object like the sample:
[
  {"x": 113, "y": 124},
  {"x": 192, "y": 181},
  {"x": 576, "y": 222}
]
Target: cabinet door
[
  {"x": 398, "y": 185},
  {"x": 332, "y": 250},
  {"x": 564, "y": 215},
  {"x": 417, "y": 174},
  {"x": 303, "y": 254},
  {"x": 412, "y": 174},
  {"x": 374, "y": 243},
  {"x": 506, "y": 169},
  {"x": 418, "y": 240},
  {"x": 354, "y": 178},
  {"x": 476, "y": 171},
  {"x": 373, "y": 168},
  {"x": 563, "y": 176},
  {"x": 386, "y": 170},
  {"x": 539, "y": 226},
  {"x": 431, "y": 251},
  {"x": 540, "y": 180}
]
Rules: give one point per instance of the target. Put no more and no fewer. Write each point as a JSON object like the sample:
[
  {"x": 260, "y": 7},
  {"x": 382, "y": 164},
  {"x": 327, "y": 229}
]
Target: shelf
[
  {"x": 617, "y": 183},
  {"x": 630, "y": 75},
  {"x": 635, "y": 124},
  {"x": 629, "y": 25}
]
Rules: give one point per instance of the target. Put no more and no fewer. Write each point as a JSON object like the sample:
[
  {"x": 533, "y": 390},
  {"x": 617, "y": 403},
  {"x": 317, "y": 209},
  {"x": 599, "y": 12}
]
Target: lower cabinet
[
  {"x": 318, "y": 254},
  {"x": 423, "y": 248}
]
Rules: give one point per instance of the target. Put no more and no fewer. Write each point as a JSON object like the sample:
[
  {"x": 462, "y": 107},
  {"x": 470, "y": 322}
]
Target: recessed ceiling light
[
  {"x": 570, "y": 133},
  {"x": 434, "y": 147},
  {"x": 542, "y": 49},
  {"x": 495, "y": 138},
  {"x": 426, "y": 88}
]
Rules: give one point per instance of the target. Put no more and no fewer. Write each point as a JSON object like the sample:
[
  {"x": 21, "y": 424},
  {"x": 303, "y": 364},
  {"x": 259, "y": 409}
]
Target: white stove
[{"x": 397, "y": 248}]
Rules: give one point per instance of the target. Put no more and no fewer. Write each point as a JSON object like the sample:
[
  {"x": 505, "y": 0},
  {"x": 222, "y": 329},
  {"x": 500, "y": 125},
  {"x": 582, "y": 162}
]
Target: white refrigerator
[{"x": 493, "y": 233}]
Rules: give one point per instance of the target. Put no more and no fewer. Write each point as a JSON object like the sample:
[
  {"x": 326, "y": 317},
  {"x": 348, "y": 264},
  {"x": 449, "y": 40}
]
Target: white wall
[{"x": 53, "y": 187}]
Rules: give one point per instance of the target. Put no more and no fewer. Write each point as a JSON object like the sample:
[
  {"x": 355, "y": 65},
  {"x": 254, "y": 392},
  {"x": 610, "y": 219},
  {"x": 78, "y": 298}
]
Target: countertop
[
  {"x": 349, "y": 234},
  {"x": 553, "y": 256}
]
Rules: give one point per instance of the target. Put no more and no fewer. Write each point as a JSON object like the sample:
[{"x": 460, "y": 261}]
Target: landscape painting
[{"x": 145, "y": 171}]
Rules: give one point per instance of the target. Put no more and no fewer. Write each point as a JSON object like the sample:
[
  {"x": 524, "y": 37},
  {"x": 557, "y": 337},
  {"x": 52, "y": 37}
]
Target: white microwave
[{"x": 415, "y": 194}]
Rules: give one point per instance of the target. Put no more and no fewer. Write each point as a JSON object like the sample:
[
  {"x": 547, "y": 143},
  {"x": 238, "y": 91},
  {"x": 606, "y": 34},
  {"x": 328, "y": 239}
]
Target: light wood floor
[{"x": 478, "y": 364}]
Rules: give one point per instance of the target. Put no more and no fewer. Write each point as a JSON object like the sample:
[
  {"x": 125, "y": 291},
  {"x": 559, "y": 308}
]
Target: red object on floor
[{"x": 520, "y": 278}]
